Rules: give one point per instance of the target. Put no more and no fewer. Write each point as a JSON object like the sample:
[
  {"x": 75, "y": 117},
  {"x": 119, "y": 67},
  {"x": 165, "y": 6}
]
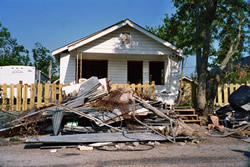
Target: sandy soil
[{"x": 211, "y": 152}]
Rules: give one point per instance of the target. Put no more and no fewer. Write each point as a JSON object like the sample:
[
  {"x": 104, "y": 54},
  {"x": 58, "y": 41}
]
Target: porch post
[
  {"x": 80, "y": 65},
  {"x": 77, "y": 68}
]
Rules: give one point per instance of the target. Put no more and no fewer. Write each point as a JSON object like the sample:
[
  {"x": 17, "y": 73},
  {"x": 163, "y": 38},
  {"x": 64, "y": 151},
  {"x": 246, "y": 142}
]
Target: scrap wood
[
  {"x": 157, "y": 112},
  {"x": 150, "y": 107},
  {"x": 167, "y": 137}
]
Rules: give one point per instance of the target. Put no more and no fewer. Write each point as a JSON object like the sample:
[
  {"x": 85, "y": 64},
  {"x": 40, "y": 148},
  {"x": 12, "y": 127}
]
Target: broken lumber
[{"x": 150, "y": 107}]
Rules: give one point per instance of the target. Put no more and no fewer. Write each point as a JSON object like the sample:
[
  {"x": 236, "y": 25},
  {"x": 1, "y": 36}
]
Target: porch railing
[{"x": 146, "y": 89}]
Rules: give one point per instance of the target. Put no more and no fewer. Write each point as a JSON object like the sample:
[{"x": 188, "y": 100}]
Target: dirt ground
[{"x": 211, "y": 152}]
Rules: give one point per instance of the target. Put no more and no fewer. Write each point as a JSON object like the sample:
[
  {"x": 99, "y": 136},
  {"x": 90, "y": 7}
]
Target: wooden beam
[
  {"x": 77, "y": 59},
  {"x": 80, "y": 65}
]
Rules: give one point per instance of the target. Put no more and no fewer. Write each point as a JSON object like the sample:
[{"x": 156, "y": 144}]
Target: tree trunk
[
  {"x": 202, "y": 58},
  {"x": 201, "y": 74}
]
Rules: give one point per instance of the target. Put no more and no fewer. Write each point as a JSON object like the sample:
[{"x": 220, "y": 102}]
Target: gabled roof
[{"x": 94, "y": 36}]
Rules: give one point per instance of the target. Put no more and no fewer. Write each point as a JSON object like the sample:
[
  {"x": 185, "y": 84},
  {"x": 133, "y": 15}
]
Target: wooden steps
[{"x": 188, "y": 113}]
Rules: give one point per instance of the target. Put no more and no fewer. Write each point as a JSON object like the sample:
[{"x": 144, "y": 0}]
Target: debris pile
[
  {"x": 233, "y": 119},
  {"x": 94, "y": 113}
]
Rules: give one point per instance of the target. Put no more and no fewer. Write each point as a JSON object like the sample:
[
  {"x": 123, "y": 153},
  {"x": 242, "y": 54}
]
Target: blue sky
[{"x": 55, "y": 23}]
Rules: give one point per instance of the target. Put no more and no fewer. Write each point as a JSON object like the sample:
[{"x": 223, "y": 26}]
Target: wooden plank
[
  {"x": 192, "y": 121},
  {"x": 127, "y": 86},
  {"x": 226, "y": 94},
  {"x": 133, "y": 87},
  {"x": 146, "y": 89},
  {"x": 80, "y": 65},
  {"x": 220, "y": 95},
  {"x": 192, "y": 111},
  {"x": 113, "y": 86},
  {"x": 4, "y": 97},
  {"x": 19, "y": 97},
  {"x": 231, "y": 88},
  {"x": 46, "y": 94},
  {"x": 12, "y": 88},
  {"x": 39, "y": 95},
  {"x": 139, "y": 88},
  {"x": 53, "y": 93},
  {"x": 77, "y": 66},
  {"x": 32, "y": 96},
  {"x": 237, "y": 86},
  {"x": 60, "y": 93},
  {"x": 25, "y": 97},
  {"x": 188, "y": 115},
  {"x": 120, "y": 86},
  {"x": 153, "y": 89}
]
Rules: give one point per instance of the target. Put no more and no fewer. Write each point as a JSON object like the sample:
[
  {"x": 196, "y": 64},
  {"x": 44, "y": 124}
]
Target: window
[
  {"x": 134, "y": 72},
  {"x": 156, "y": 72},
  {"x": 98, "y": 68}
]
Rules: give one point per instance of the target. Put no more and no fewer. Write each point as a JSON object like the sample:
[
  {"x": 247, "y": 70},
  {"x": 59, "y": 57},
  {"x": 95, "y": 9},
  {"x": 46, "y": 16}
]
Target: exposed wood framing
[
  {"x": 77, "y": 61},
  {"x": 80, "y": 65}
]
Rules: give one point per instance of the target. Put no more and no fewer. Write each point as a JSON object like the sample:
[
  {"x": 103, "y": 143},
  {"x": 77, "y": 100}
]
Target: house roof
[
  {"x": 94, "y": 36},
  {"x": 244, "y": 61},
  {"x": 188, "y": 79}
]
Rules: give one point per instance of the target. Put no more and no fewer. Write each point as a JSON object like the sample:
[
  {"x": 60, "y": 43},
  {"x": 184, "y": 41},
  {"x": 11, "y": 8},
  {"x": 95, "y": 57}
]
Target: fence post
[
  {"x": 25, "y": 96},
  {"x": 231, "y": 88},
  {"x": 19, "y": 97},
  {"x": 53, "y": 93},
  {"x": 153, "y": 89},
  {"x": 219, "y": 95},
  {"x": 46, "y": 95},
  {"x": 146, "y": 88},
  {"x": 139, "y": 88},
  {"x": 12, "y": 97},
  {"x": 120, "y": 86},
  {"x": 4, "y": 97},
  {"x": 60, "y": 93},
  {"x": 32, "y": 96},
  {"x": 39, "y": 95},
  {"x": 237, "y": 86},
  {"x": 225, "y": 93},
  {"x": 133, "y": 87}
]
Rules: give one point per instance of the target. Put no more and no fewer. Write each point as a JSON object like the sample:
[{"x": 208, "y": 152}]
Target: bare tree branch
[{"x": 233, "y": 47}]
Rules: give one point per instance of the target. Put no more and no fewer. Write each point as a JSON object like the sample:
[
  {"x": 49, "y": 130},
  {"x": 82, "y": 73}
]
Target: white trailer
[{"x": 27, "y": 74}]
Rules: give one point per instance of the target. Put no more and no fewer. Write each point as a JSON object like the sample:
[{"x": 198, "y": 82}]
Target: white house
[{"x": 124, "y": 53}]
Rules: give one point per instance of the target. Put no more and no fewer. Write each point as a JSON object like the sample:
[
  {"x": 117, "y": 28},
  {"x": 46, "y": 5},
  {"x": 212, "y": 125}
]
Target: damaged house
[{"x": 124, "y": 53}]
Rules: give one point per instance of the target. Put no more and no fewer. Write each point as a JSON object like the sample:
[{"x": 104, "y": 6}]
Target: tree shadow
[{"x": 246, "y": 153}]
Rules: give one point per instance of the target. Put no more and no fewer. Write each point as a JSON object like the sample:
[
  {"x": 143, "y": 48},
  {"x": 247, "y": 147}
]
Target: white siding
[
  {"x": 117, "y": 71},
  {"x": 139, "y": 44},
  {"x": 67, "y": 68},
  {"x": 145, "y": 71}
]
